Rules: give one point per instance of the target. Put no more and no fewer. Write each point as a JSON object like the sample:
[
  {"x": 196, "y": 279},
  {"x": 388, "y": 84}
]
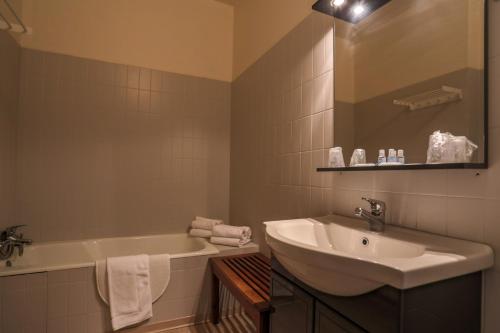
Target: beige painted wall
[
  {"x": 188, "y": 37},
  {"x": 260, "y": 24}
]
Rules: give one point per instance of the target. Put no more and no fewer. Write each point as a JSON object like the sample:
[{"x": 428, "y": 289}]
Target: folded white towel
[
  {"x": 159, "y": 267},
  {"x": 229, "y": 241},
  {"x": 229, "y": 231},
  {"x": 129, "y": 290},
  {"x": 204, "y": 223},
  {"x": 200, "y": 233}
]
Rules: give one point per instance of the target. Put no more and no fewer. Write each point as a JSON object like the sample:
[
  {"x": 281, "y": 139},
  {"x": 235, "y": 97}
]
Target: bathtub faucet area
[{"x": 10, "y": 240}]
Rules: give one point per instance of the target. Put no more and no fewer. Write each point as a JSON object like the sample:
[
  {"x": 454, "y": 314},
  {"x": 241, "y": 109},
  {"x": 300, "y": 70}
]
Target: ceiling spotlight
[
  {"x": 337, "y": 3},
  {"x": 358, "y": 9}
]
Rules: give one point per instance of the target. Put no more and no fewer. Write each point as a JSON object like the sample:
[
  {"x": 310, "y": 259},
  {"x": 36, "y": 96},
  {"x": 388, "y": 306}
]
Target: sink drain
[{"x": 365, "y": 241}]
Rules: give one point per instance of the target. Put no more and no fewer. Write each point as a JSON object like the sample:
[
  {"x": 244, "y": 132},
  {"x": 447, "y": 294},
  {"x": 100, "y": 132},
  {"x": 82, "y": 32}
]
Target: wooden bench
[{"x": 248, "y": 278}]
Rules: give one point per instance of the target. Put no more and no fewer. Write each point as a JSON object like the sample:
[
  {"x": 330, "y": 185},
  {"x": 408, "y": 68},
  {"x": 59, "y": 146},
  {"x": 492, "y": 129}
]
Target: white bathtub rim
[{"x": 208, "y": 250}]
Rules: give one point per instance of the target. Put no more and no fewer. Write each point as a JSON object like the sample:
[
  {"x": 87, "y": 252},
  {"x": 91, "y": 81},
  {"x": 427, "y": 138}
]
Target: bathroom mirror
[{"x": 405, "y": 69}]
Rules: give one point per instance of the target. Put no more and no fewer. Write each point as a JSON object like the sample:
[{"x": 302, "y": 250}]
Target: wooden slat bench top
[{"x": 248, "y": 278}]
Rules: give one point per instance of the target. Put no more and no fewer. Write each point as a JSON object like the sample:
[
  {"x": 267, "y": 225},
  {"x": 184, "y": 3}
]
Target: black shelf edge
[{"x": 408, "y": 167}]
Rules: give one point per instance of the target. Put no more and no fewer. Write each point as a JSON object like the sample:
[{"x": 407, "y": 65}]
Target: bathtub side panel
[
  {"x": 73, "y": 303},
  {"x": 67, "y": 300},
  {"x": 188, "y": 293},
  {"x": 23, "y": 300}
]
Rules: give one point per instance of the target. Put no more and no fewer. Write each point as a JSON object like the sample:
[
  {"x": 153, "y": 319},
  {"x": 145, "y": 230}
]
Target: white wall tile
[
  {"x": 317, "y": 178},
  {"x": 98, "y": 322},
  {"x": 295, "y": 171},
  {"x": 305, "y": 134},
  {"x": 57, "y": 300},
  {"x": 354, "y": 180},
  {"x": 317, "y": 202},
  {"x": 319, "y": 54},
  {"x": 430, "y": 182},
  {"x": 492, "y": 295},
  {"x": 77, "y": 324},
  {"x": 492, "y": 228},
  {"x": 323, "y": 92},
  {"x": 342, "y": 202},
  {"x": 328, "y": 129},
  {"x": 77, "y": 298},
  {"x": 492, "y": 188},
  {"x": 57, "y": 325},
  {"x": 307, "y": 49},
  {"x": 296, "y": 132},
  {"x": 404, "y": 210},
  {"x": 431, "y": 214},
  {"x": 465, "y": 218},
  {"x": 394, "y": 181},
  {"x": 317, "y": 131},
  {"x": 468, "y": 183},
  {"x": 307, "y": 98},
  {"x": 12, "y": 283},
  {"x": 305, "y": 168},
  {"x": 35, "y": 308},
  {"x": 14, "y": 302},
  {"x": 23, "y": 301}
]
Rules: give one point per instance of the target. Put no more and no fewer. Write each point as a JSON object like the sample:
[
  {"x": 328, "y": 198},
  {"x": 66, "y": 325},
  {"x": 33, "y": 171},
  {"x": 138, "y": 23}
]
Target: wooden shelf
[{"x": 416, "y": 166}]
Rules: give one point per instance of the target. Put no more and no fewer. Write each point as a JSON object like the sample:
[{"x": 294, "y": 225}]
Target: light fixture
[
  {"x": 358, "y": 9},
  {"x": 352, "y": 11},
  {"x": 337, "y": 3}
]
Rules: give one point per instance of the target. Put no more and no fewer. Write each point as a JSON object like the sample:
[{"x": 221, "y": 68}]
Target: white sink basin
[{"x": 339, "y": 256}]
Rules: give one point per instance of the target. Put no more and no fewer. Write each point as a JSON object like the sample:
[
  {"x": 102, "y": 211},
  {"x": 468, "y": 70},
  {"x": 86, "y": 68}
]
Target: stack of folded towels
[
  {"x": 202, "y": 227},
  {"x": 220, "y": 233},
  {"x": 231, "y": 235}
]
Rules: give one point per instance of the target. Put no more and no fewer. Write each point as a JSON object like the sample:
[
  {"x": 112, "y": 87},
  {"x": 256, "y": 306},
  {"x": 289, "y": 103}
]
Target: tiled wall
[
  {"x": 281, "y": 125},
  {"x": 277, "y": 142},
  {"x": 112, "y": 150},
  {"x": 9, "y": 94}
]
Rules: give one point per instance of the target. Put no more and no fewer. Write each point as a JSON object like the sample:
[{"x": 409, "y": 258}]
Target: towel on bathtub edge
[{"x": 159, "y": 277}]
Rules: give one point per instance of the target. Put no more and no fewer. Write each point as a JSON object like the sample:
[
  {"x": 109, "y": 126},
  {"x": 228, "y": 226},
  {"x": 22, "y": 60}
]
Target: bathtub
[
  {"x": 53, "y": 284},
  {"x": 51, "y": 256}
]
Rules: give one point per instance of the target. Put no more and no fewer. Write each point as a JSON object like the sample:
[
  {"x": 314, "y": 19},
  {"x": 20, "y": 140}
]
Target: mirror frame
[{"x": 324, "y": 7}]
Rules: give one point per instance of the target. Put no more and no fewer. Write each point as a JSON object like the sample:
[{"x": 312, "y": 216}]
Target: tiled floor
[{"x": 236, "y": 324}]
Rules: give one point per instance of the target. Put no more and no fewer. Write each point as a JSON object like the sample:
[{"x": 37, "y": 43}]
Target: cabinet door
[
  {"x": 328, "y": 321},
  {"x": 292, "y": 308}
]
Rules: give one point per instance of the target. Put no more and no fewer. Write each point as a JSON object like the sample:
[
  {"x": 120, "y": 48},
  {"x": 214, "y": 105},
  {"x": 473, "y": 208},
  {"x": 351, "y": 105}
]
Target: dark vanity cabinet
[
  {"x": 293, "y": 308},
  {"x": 452, "y": 305},
  {"x": 327, "y": 320}
]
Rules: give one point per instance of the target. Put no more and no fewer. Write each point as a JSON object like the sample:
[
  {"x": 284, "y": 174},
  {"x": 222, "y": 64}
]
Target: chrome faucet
[
  {"x": 376, "y": 217},
  {"x": 10, "y": 240}
]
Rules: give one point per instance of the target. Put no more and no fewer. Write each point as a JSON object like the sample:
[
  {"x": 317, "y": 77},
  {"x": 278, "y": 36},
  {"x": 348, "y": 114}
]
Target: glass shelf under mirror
[{"x": 415, "y": 166}]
